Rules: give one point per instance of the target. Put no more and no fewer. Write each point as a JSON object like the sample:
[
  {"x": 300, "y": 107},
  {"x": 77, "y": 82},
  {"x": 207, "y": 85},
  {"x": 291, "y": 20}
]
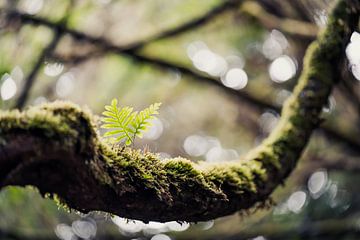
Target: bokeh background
[{"x": 222, "y": 70}]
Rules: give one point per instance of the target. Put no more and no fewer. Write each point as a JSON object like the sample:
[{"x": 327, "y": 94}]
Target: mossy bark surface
[{"x": 56, "y": 148}]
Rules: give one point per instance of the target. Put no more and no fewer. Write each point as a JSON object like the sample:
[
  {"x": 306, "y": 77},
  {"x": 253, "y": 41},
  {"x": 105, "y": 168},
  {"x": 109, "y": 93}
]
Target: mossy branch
[{"x": 55, "y": 147}]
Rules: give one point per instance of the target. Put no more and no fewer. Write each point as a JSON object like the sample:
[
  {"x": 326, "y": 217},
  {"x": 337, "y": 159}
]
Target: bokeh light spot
[
  {"x": 282, "y": 69},
  {"x": 235, "y": 78}
]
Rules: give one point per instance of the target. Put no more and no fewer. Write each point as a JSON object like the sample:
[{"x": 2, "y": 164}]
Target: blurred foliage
[{"x": 197, "y": 120}]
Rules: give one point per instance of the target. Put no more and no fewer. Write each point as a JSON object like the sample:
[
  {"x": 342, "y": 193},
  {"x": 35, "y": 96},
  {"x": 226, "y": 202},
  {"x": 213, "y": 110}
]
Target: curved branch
[
  {"x": 55, "y": 147},
  {"x": 106, "y": 46},
  {"x": 190, "y": 25},
  {"x": 46, "y": 52},
  {"x": 322, "y": 228},
  {"x": 303, "y": 30},
  {"x": 30, "y": 79}
]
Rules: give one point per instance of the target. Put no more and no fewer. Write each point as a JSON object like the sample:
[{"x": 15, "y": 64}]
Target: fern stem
[{"x": 123, "y": 127}]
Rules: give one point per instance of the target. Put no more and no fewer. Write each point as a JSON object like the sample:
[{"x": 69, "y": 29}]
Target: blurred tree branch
[
  {"x": 46, "y": 52},
  {"x": 279, "y": 231},
  {"x": 303, "y": 30},
  {"x": 333, "y": 163},
  {"x": 65, "y": 158},
  {"x": 105, "y": 46},
  {"x": 30, "y": 79},
  {"x": 229, "y": 5}
]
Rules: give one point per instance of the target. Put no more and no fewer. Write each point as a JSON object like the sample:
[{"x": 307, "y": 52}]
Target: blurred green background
[{"x": 222, "y": 70}]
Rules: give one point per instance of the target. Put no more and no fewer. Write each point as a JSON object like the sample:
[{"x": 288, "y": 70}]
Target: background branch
[
  {"x": 30, "y": 79},
  {"x": 45, "y": 53},
  {"x": 106, "y": 46},
  {"x": 303, "y": 30},
  {"x": 64, "y": 156}
]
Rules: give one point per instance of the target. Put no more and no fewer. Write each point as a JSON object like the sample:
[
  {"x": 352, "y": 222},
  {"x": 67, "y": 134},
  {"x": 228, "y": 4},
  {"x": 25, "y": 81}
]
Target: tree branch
[
  {"x": 271, "y": 231},
  {"x": 105, "y": 46},
  {"x": 333, "y": 164},
  {"x": 190, "y": 25},
  {"x": 303, "y": 30},
  {"x": 324, "y": 228},
  {"x": 46, "y": 52},
  {"x": 29, "y": 81},
  {"x": 55, "y": 147}
]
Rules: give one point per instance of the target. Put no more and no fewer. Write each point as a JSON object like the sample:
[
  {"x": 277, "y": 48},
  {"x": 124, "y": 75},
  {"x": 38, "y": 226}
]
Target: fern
[{"x": 124, "y": 124}]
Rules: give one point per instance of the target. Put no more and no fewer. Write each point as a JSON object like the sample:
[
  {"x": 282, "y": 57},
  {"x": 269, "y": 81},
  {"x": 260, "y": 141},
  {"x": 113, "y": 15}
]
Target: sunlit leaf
[{"x": 125, "y": 124}]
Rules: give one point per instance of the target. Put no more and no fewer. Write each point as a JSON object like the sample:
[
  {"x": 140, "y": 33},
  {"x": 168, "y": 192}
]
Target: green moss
[
  {"x": 59, "y": 201},
  {"x": 61, "y": 121},
  {"x": 182, "y": 168},
  {"x": 131, "y": 169},
  {"x": 49, "y": 118},
  {"x": 126, "y": 170},
  {"x": 33, "y": 119}
]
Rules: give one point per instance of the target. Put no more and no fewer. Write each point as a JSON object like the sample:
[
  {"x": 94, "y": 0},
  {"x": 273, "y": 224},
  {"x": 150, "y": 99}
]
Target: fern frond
[
  {"x": 114, "y": 132},
  {"x": 117, "y": 119},
  {"x": 142, "y": 121},
  {"x": 125, "y": 123}
]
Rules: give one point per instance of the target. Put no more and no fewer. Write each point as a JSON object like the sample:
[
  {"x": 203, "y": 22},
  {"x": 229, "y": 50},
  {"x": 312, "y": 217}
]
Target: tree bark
[{"x": 55, "y": 147}]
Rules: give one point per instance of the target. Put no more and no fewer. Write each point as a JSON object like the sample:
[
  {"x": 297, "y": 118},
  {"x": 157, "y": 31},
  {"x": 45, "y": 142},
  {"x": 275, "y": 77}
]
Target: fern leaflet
[{"x": 125, "y": 124}]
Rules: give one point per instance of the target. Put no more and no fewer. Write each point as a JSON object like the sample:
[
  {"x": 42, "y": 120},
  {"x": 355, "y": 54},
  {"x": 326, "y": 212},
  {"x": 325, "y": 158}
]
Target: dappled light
[
  {"x": 296, "y": 201},
  {"x": 235, "y": 78},
  {"x": 317, "y": 183},
  {"x": 282, "y": 69},
  {"x": 65, "y": 84},
  {"x": 31, "y": 7},
  {"x": 53, "y": 69},
  {"x": 8, "y": 87},
  {"x": 128, "y": 226},
  {"x": 274, "y": 45},
  {"x": 353, "y": 54},
  {"x": 175, "y": 120}
]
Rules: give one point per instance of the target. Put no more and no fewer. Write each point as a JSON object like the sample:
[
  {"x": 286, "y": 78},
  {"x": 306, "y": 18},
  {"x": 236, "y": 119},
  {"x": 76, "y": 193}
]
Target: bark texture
[{"x": 55, "y": 148}]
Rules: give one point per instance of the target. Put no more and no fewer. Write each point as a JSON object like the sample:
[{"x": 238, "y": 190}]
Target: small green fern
[{"x": 125, "y": 124}]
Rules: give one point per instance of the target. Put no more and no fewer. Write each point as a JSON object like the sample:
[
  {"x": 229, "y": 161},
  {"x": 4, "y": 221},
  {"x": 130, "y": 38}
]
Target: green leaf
[
  {"x": 109, "y": 120},
  {"x": 125, "y": 124},
  {"x": 109, "y": 126},
  {"x": 128, "y": 141},
  {"x": 111, "y": 133},
  {"x": 114, "y": 103},
  {"x": 142, "y": 120},
  {"x": 121, "y": 137}
]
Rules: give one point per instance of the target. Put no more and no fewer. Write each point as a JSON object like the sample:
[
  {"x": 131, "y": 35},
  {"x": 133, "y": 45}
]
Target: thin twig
[
  {"x": 105, "y": 45},
  {"x": 46, "y": 52},
  {"x": 296, "y": 28},
  {"x": 194, "y": 23},
  {"x": 29, "y": 81}
]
